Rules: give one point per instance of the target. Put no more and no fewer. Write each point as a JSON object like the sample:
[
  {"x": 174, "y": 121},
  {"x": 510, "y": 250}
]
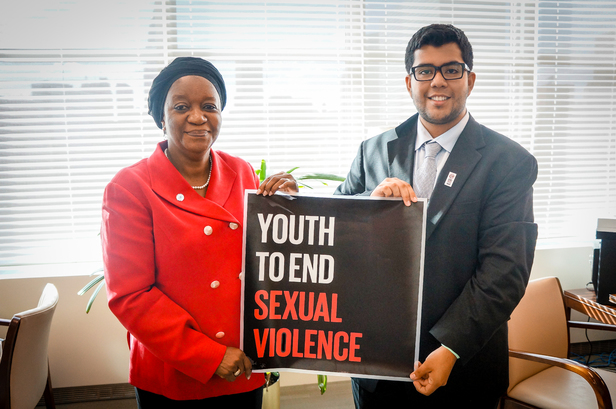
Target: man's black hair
[{"x": 438, "y": 35}]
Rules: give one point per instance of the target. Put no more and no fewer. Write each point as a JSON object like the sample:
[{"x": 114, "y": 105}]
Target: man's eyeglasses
[{"x": 451, "y": 71}]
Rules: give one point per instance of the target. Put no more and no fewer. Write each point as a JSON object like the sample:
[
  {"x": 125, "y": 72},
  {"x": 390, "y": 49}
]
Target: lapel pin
[{"x": 450, "y": 178}]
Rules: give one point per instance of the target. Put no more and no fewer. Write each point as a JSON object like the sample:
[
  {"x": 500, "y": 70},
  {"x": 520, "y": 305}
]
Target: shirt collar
[{"x": 447, "y": 140}]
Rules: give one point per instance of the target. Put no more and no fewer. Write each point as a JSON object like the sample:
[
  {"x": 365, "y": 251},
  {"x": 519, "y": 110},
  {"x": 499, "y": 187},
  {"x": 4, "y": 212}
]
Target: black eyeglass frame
[{"x": 461, "y": 64}]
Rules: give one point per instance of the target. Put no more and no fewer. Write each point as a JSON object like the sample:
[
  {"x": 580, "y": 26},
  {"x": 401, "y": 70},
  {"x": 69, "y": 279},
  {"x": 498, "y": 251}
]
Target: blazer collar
[
  {"x": 460, "y": 164},
  {"x": 401, "y": 150},
  {"x": 169, "y": 184}
]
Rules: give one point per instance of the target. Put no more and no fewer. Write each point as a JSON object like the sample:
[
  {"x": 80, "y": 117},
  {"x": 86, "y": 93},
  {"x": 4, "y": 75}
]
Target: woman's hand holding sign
[
  {"x": 233, "y": 364},
  {"x": 284, "y": 182}
]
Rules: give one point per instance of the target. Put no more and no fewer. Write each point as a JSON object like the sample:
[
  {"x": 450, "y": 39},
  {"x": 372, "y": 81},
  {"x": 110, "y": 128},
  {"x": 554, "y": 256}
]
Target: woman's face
[{"x": 191, "y": 116}]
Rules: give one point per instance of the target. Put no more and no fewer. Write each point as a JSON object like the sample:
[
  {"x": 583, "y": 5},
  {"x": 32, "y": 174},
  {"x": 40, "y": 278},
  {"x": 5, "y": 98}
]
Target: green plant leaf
[
  {"x": 322, "y": 176},
  {"x": 322, "y": 383},
  {"x": 91, "y": 301},
  {"x": 262, "y": 172},
  {"x": 92, "y": 283},
  {"x": 318, "y": 177}
]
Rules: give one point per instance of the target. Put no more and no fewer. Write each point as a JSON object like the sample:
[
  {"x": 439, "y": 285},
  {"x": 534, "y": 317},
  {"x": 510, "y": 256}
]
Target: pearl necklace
[{"x": 207, "y": 182}]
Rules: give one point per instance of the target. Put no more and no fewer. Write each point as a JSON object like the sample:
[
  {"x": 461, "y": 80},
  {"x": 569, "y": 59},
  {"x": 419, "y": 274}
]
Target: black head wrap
[{"x": 181, "y": 67}]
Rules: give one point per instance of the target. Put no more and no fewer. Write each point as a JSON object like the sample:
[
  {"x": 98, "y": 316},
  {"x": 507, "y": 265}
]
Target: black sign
[{"x": 332, "y": 284}]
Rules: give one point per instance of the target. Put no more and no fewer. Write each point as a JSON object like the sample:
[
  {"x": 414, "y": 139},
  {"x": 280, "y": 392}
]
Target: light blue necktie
[{"x": 426, "y": 174}]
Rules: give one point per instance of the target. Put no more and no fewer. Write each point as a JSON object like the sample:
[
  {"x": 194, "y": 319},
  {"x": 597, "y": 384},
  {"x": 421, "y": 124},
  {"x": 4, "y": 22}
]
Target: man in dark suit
[{"x": 480, "y": 234}]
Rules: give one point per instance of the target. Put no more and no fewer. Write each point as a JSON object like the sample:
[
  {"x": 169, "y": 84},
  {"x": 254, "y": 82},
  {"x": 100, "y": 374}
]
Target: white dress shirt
[{"x": 447, "y": 141}]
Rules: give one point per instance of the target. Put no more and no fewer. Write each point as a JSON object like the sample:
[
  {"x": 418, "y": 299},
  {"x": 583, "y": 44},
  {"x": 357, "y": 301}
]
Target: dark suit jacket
[{"x": 480, "y": 242}]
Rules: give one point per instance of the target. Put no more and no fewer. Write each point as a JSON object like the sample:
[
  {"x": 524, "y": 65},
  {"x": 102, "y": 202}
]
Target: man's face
[{"x": 441, "y": 103}]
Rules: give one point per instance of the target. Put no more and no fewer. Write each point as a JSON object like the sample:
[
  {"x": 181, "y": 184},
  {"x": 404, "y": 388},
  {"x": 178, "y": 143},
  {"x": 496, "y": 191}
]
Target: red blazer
[{"x": 172, "y": 265}]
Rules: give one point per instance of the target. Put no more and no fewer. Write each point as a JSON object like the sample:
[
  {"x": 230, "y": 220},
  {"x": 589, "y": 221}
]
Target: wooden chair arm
[
  {"x": 4, "y": 322},
  {"x": 590, "y": 375},
  {"x": 591, "y": 325}
]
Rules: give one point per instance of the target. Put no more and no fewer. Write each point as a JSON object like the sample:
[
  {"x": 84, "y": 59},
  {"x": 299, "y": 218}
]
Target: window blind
[{"x": 307, "y": 82}]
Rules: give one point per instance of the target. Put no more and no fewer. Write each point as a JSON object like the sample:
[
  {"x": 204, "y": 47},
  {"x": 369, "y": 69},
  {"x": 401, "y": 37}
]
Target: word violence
[{"x": 317, "y": 344}]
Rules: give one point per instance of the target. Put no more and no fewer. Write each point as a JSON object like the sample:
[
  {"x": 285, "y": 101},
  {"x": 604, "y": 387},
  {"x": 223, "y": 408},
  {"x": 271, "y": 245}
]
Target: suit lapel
[
  {"x": 461, "y": 162},
  {"x": 169, "y": 184},
  {"x": 401, "y": 150}
]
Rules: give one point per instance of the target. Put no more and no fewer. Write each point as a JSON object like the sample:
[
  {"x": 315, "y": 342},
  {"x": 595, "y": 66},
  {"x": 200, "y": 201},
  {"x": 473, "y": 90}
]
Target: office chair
[
  {"x": 24, "y": 368},
  {"x": 540, "y": 373}
]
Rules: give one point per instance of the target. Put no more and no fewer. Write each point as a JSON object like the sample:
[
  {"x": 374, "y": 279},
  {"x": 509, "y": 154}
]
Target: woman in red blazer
[{"x": 172, "y": 248}]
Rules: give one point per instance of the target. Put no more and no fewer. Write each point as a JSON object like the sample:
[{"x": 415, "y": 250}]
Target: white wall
[
  {"x": 91, "y": 349},
  {"x": 572, "y": 265}
]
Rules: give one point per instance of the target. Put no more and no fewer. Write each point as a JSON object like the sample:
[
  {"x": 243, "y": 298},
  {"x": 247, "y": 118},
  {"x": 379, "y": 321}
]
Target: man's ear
[
  {"x": 408, "y": 79},
  {"x": 471, "y": 82}
]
